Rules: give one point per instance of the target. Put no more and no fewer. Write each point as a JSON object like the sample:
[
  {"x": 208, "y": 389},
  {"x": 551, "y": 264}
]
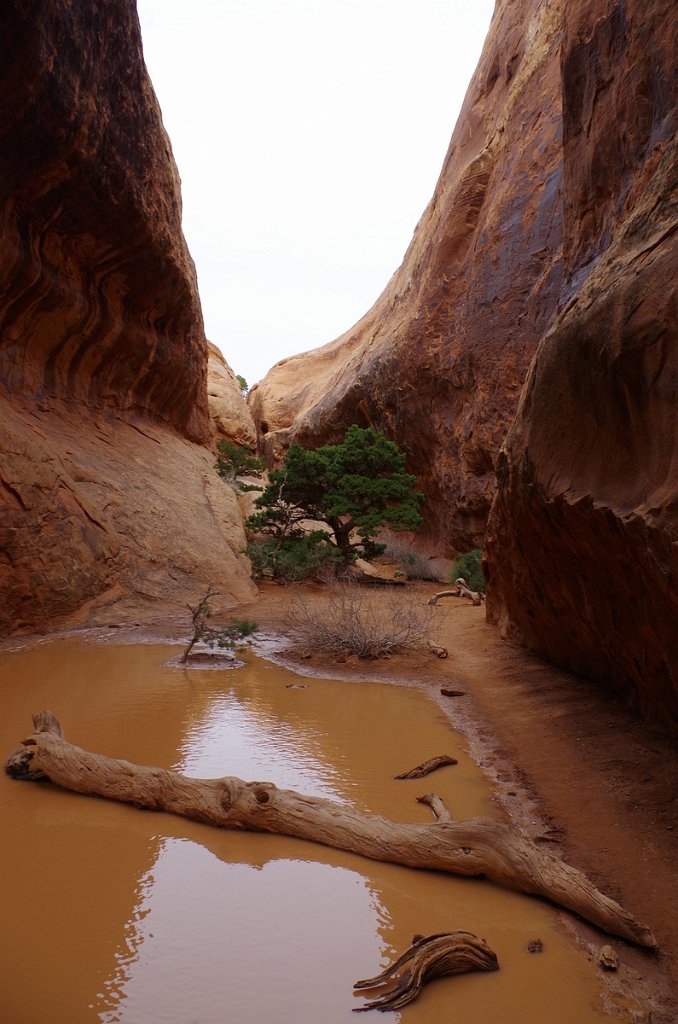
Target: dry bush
[
  {"x": 411, "y": 561},
  {"x": 348, "y": 619}
]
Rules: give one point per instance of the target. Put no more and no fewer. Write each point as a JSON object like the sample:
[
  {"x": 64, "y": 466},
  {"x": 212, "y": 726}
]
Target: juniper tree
[{"x": 355, "y": 488}]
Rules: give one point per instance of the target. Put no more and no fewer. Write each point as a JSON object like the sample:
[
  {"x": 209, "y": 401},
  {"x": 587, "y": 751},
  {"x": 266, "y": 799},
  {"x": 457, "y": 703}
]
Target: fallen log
[
  {"x": 426, "y": 767},
  {"x": 433, "y": 956},
  {"x": 432, "y": 800},
  {"x": 471, "y": 848},
  {"x": 463, "y": 590}
]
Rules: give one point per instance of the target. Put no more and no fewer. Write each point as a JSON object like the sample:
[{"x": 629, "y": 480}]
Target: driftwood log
[
  {"x": 433, "y": 956},
  {"x": 440, "y": 652},
  {"x": 432, "y": 800},
  {"x": 426, "y": 767},
  {"x": 463, "y": 590},
  {"x": 471, "y": 848}
]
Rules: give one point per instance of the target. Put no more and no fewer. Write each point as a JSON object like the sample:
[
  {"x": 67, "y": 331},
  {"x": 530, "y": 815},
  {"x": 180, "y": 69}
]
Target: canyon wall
[
  {"x": 108, "y": 498},
  {"x": 583, "y": 538},
  {"x": 439, "y": 361},
  {"x": 552, "y": 227}
]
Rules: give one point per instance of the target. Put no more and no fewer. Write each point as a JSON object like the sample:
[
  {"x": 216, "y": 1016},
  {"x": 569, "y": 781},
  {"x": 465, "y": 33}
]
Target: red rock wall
[
  {"x": 439, "y": 361},
  {"x": 103, "y": 358},
  {"x": 583, "y": 537},
  {"x": 99, "y": 298}
]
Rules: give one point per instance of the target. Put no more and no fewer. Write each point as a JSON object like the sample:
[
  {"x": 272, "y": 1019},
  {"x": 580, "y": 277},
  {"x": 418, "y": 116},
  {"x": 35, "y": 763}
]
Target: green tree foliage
[
  {"x": 469, "y": 567},
  {"x": 235, "y": 460},
  {"x": 293, "y": 559},
  {"x": 242, "y": 384},
  {"x": 359, "y": 485}
]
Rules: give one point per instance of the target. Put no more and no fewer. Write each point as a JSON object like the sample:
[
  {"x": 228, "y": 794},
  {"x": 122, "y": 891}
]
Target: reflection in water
[
  {"x": 261, "y": 745},
  {"x": 113, "y": 915},
  {"x": 275, "y": 924}
]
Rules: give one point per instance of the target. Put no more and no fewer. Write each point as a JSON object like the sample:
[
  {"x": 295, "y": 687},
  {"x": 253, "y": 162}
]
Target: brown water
[{"x": 114, "y": 914}]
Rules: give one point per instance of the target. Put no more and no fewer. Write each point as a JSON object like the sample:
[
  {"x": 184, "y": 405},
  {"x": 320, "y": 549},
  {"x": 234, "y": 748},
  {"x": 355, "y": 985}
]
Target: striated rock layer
[
  {"x": 103, "y": 360},
  {"x": 583, "y": 537},
  {"x": 439, "y": 361}
]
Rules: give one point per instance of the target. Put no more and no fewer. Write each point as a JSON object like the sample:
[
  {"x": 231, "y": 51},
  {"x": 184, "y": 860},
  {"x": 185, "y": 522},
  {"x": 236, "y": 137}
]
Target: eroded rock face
[
  {"x": 583, "y": 537},
  {"x": 230, "y": 416},
  {"x": 103, "y": 401},
  {"x": 439, "y": 361}
]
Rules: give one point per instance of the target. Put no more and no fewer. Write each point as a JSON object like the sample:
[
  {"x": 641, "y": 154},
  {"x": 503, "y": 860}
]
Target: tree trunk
[{"x": 475, "y": 847}]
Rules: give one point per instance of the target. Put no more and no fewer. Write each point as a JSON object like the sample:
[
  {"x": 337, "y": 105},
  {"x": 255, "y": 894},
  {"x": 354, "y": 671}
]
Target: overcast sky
[{"x": 309, "y": 136}]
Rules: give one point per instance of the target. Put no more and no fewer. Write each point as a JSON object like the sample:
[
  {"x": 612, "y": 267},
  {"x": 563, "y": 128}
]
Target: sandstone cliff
[
  {"x": 583, "y": 538},
  {"x": 439, "y": 361},
  {"x": 554, "y": 218},
  {"x": 107, "y": 498},
  {"x": 230, "y": 416}
]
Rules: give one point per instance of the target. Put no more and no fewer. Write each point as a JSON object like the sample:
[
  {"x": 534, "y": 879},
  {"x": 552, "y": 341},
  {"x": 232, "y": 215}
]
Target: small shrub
[
  {"x": 295, "y": 558},
  {"x": 225, "y": 637},
  {"x": 235, "y": 460},
  {"x": 469, "y": 567},
  {"x": 350, "y": 620}
]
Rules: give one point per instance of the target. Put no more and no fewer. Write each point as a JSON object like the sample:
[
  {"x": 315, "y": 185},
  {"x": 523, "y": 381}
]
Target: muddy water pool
[{"x": 113, "y": 914}]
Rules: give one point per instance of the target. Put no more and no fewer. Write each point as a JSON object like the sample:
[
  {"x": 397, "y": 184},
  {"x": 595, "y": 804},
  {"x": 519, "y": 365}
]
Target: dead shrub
[
  {"x": 348, "y": 619},
  {"x": 411, "y": 561}
]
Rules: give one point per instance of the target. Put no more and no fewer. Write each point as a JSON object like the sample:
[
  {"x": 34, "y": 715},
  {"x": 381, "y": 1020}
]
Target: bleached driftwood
[
  {"x": 475, "y": 847},
  {"x": 463, "y": 590},
  {"x": 432, "y": 800},
  {"x": 429, "y": 957}
]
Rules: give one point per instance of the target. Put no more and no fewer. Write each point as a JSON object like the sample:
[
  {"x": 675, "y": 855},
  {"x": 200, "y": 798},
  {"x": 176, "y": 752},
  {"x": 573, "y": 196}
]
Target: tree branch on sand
[{"x": 471, "y": 848}]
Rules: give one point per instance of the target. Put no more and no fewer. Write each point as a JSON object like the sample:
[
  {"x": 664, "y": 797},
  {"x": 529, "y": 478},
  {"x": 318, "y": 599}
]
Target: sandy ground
[{"x": 575, "y": 768}]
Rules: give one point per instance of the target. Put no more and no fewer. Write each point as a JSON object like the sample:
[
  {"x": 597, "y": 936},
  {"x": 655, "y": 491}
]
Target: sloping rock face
[
  {"x": 439, "y": 361},
  {"x": 230, "y": 416},
  {"x": 583, "y": 537},
  {"x": 103, "y": 400}
]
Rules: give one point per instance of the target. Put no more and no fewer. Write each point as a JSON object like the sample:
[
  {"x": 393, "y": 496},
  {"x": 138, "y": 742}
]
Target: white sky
[{"x": 309, "y": 136}]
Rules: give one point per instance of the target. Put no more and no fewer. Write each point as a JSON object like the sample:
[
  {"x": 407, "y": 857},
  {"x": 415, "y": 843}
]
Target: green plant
[
  {"x": 242, "y": 384},
  {"x": 226, "y": 637},
  {"x": 469, "y": 567},
  {"x": 293, "y": 559},
  {"x": 356, "y": 486},
  {"x": 353, "y": 621},
  {"x": 234, "y": 461}
]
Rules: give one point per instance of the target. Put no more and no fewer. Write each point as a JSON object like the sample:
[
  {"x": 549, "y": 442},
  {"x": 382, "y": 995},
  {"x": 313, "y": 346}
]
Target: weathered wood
[
  {"x": 463, "y": 590},
  {"x": 426, "y": 767},
  {"x": 442, "y": 593},
  {"x": 432, "y": 800},
  {"x": 440, "y": 652},
  {"x": 471, "y": 848},
  {"x": 433, "y": 956}
]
